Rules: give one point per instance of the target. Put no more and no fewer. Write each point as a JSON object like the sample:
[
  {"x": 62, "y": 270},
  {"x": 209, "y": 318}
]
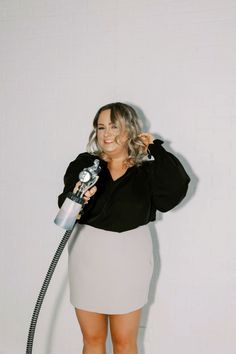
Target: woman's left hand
[{"x": 147, "y": 138}]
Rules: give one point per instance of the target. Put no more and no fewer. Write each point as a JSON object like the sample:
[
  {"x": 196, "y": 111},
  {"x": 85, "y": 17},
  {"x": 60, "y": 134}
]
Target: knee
[
  {"x": 94, "y": 339},
  {"x": 124, "y": 343}
]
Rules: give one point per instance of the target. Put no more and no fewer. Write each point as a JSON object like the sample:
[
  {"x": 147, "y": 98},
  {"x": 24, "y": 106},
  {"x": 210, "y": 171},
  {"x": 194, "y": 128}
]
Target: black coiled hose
[
  {"x": 88, "y": 177},
  {"x": 44, "y": 290}
]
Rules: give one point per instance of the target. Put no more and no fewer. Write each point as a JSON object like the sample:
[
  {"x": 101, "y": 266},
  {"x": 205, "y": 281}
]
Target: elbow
[{"x": 168, "y": 201}]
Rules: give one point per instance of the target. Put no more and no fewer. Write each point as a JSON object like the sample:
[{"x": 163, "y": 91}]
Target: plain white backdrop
[{"x": 175, "y": 62}]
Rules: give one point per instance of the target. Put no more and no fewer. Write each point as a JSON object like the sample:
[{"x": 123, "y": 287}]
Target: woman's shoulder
[
  {"x": 85, "y": 159},
  {"x": 82, "y": 161},
  {"x": 84, "y": 156}
]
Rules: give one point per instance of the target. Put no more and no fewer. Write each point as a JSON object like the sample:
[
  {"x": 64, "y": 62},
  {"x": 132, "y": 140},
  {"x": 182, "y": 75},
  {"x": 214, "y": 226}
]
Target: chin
[
  {"x": 109, "y": 148},
  {"x": 109, "y": 151}
]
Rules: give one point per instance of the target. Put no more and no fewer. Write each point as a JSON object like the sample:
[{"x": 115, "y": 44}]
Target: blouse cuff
[{"x": 155, "y": 148}]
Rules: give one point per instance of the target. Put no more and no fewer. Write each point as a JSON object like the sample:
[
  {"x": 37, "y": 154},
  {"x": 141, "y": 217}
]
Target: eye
[
  {"x": 100, "y": 128},
  {"x": 114, "y": 126}
]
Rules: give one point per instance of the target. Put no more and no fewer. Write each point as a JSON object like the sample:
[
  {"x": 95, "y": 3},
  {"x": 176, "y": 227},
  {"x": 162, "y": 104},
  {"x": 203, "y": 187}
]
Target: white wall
[{"x": 175, "y": 61}]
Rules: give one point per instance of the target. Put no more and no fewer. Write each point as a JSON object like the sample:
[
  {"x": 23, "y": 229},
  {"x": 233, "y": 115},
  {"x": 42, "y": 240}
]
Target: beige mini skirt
[{"x": 109, "y": 272}]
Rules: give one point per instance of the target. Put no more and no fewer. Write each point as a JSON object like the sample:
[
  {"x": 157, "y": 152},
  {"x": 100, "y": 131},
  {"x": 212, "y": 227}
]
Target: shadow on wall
[{"x": 152, "y": 290}]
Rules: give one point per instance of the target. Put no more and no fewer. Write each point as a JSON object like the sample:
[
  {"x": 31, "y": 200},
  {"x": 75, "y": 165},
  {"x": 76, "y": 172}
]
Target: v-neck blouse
[{"x": 132, "y": 199}]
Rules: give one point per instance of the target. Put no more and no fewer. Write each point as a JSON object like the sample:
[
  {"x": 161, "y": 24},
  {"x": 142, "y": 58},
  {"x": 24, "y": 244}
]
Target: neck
[{"x": 115, "y": 158}]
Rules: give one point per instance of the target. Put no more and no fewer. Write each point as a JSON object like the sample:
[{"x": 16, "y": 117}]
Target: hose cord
[
  {"x": 88, "y": 177},
  {"x": 44, "y": 290}
]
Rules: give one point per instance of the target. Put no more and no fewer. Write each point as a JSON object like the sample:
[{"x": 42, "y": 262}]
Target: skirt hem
[{"x": 110, "y": 312}]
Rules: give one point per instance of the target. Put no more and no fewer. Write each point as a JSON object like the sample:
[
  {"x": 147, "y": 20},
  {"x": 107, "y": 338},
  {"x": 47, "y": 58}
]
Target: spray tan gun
[{"x": 74, "y": 202}]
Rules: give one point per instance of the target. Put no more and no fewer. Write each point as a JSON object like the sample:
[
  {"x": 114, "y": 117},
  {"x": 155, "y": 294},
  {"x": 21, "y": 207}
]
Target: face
[{"x": 112, "y": 137}]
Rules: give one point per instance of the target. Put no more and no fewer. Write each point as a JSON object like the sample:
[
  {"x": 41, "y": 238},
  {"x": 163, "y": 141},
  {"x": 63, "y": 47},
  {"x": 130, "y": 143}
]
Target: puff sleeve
[
  {"x": 71, "y": 176},
  {"x": 167, "y": 177}
]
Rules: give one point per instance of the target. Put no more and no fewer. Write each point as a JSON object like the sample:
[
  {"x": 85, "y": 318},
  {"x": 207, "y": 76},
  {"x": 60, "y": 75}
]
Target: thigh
[
  {"x": 125, "y": 326},
  {"x": 92, "y": 324}
]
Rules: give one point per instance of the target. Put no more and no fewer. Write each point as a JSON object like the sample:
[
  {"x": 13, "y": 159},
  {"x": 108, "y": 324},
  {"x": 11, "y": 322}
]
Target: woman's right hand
[{"x": 87, "y": 195}]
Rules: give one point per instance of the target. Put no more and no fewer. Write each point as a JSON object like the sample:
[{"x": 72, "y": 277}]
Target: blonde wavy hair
[{"x": 118, "y": 111}]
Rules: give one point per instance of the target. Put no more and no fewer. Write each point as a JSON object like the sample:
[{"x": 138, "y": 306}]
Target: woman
[{"x": 110, "y": 251}]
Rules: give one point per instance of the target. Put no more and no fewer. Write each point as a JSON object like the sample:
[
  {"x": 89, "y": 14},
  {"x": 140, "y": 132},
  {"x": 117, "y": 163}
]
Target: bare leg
[
  {"x": 94, "y": 330},
  {"x": 124, "y": 331}
]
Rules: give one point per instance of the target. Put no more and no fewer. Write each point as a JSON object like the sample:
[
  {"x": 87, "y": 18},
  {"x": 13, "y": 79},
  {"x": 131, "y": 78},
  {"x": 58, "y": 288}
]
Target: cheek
[
  {"x": 99, "y": 137},
  {"x": 99, "y": 134}
]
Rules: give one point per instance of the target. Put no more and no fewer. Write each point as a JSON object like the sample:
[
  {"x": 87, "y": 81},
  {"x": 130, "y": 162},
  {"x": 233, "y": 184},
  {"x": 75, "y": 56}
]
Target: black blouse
[{"x": 131, "y": 200}]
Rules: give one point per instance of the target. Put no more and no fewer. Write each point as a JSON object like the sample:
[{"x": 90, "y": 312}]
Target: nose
[{"x": 107, "y": 131}]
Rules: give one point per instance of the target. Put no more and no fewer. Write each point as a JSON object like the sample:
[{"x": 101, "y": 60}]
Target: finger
[
  {"x": 147, "y": 138},
  {"x": 89, "y": 193},
  {"x": 144, "y": 140},
  {"x": 78, "y": 184},
  {"x": 143, "y": 136}
]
